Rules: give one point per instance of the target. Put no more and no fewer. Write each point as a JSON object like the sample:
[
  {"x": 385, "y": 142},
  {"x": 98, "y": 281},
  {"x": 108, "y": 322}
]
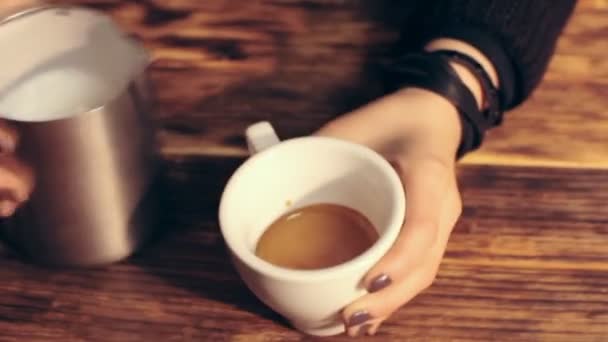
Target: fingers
[
  {"x": 368, "y": 328},
  {"x": 412, "y": 263},
  {"x": 16, "y": 183},
  {"x": 16, "y": 179},
  {"x": 422, "y": 147},
  {"x": 426, "y": 183},
  {"x": 371, "y": 310},
  {"x": 366, "y": 315}
]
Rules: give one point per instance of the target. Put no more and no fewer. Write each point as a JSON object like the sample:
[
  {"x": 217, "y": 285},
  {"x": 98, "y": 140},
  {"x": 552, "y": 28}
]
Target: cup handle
[{"x": 260, "y": 136}]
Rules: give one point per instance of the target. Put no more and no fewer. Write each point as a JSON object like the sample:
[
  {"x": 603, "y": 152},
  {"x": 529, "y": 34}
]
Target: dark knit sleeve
[{"x": 518, "y": 36}]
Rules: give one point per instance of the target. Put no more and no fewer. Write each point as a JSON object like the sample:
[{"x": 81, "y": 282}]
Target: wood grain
[
  {"x": 527, "y": 262},
  {"x": 223, "y": 64},
  {"x": 523, "y": 265},
  {"x": 566, "y": 121}
]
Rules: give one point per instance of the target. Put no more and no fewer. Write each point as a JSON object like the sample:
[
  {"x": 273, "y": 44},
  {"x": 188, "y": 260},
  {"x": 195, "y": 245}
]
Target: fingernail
[
  {"x": 380, "y": 282},
  {"x": 359, "y": 317},
  {"x": 364, "y": 330}
]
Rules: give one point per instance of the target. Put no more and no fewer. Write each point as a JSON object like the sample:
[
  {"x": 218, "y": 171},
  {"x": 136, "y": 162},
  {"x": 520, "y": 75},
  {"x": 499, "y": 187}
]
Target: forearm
[
  {"x": 517, "y": 36},
  {"x": 511, "y": 40}
]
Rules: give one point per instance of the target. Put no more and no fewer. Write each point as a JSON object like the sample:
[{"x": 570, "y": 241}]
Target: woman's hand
[
  {"x": 419, "y": 133},
  {"x": 16, "y": 179}
]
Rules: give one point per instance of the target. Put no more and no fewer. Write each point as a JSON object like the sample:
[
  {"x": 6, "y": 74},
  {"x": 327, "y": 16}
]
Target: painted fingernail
[
  {"x": 359, "y": 317},
  {"x": 380, "y": 282},
  {"x": 364, "y": 330}
]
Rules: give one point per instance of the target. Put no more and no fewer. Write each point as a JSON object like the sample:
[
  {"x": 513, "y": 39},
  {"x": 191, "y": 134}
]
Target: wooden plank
[
  {"x": 526, "y": 262},
  {"x": 523, "y": 216},
  {"x": 243, "y": 61},
  {"x": 565, "y": 123}
]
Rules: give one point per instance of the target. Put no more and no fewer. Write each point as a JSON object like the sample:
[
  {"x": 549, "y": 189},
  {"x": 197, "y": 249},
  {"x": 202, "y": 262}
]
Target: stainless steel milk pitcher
[{"x": 76, "y": 88}]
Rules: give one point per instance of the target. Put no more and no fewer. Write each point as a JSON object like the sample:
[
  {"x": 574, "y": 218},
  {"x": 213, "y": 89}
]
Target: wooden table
[{"x": 528, "y": 261}]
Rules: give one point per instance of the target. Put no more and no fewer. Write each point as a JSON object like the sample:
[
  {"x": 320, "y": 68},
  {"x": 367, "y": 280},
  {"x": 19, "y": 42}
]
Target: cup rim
[
  {"x": 381, "y": 246},
  {"x": 23, "y": 11},
  {"x": 139, "y": 72}
]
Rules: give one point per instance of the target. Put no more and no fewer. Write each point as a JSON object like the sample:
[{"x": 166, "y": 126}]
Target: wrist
[
  {"x": 471, "y": 82},
  {"x": 437, "y": 128},
  {"x": 448, "y": 91},
  {"x": 466, "y": 76}
]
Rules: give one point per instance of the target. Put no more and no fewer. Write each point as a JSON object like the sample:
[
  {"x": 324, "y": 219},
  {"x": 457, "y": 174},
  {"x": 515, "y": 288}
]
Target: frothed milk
[
  {"x": 53, "y": 94},
  {"x": 56, "y": 67}
]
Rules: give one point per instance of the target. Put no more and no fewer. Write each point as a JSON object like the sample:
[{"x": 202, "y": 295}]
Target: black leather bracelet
[
  {"x": 492, "y": 47},
  {"x": 434, "y": 73},
  {"x": 494, "y": 99}
]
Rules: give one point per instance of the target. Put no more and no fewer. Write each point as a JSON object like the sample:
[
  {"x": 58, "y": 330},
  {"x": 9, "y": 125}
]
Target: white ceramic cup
[{"x": 282, "y": 176}]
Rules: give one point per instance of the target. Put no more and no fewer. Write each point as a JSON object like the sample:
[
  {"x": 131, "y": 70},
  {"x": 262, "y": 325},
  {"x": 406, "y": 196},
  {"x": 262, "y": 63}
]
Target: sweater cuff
[{"x": 490, "y": 46}]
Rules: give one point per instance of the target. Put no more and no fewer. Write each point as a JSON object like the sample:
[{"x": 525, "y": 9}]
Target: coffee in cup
[
  {"x": 348, "y": 188},
  {"x": 316, "y": 236}
]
